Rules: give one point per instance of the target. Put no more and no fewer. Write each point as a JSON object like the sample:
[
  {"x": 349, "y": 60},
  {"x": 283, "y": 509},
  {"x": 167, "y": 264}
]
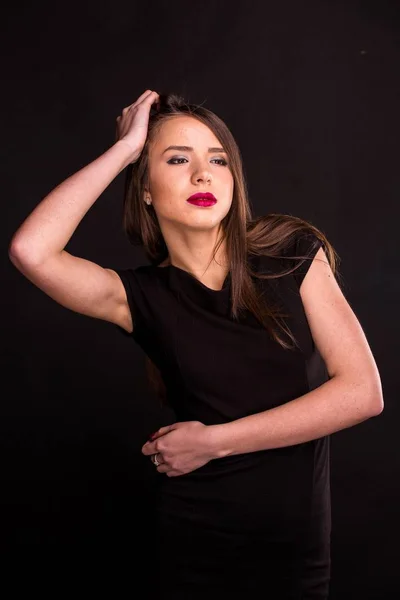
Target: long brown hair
[{"x": 270, "y": 235}]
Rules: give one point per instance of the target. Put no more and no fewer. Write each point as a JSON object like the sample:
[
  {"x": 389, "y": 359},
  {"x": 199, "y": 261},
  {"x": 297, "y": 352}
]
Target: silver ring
[{"x": 154, "y": 459}]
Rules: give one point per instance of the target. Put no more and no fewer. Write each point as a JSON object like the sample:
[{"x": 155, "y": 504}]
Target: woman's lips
[
  {"x": 202, "y": 202},
  {"x": 202, "y": 199}
]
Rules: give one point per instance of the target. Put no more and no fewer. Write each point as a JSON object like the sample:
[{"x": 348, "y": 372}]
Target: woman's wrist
[
  {"x": 216, "y": 441},
  {"x": 126, "y": 150}
]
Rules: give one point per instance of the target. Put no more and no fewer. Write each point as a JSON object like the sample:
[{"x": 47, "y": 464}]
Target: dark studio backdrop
[{"x": 310, "y": 91}]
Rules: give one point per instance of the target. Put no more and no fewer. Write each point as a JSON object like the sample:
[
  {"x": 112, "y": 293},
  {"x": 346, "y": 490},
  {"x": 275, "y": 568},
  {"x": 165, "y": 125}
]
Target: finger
[
  {"x": 162, "y": 431},
  {"x": 163, "y": 468},
  {"x": 144, "y": 95},
  {"x": 153, "y": 437},
  {"x": 167, "y": 470},
  {"x": 153, "y": 96},
  {"x": 148, "y": 448},
  {"x": 149, "y": 95},
  {"x": 151, "y": 447},
  {"x": 151, "y": 99},
  {"x": 141, "y": 98}
]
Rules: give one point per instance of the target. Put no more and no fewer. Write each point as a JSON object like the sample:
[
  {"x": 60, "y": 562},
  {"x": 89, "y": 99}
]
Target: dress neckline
[{"x": 225, "y": 284}]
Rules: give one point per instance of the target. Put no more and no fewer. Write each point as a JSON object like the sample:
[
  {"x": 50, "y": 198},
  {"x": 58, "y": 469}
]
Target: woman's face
[{"x": 176, "y": 174}]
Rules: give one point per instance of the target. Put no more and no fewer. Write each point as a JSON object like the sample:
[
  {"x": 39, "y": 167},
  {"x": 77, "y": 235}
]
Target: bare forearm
[
  {"x": 335, "y": 405},
  {"x": 47, "y": 230}
]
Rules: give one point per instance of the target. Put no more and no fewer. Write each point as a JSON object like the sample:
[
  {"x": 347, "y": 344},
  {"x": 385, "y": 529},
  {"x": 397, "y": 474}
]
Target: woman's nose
[{"x": 202, "y": 174}]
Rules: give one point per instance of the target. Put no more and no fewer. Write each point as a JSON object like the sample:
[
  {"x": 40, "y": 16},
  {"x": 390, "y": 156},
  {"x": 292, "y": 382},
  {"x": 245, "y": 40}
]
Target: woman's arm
[
  {"x": 352, "y": 395},
  {"x": 337, "y": 404},
  {"x": 37, "y": 247},
  {"x": 47, "y": 230}
]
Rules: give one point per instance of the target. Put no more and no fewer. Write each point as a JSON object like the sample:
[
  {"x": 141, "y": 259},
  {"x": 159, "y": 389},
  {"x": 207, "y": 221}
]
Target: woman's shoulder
[{"x": 287, "y": 235}]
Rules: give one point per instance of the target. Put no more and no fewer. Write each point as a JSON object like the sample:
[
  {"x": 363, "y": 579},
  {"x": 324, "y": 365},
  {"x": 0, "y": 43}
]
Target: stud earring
[{"x": 148, "y": 201}]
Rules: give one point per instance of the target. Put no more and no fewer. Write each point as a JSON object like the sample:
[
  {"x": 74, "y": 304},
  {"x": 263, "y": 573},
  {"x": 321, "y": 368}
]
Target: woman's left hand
[{"x": 181, "y": 447}]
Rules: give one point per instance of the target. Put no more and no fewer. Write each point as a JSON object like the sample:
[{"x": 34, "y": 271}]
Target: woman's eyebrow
[{"x": 190, "y": 149}]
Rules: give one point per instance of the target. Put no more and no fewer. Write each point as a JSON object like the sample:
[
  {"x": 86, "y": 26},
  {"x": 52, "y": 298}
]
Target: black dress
[{"x": 252, "y": 523}]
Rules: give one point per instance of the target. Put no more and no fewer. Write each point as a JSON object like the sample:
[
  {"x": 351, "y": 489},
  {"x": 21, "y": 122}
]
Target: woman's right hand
[{"x": 132, "y": 126}]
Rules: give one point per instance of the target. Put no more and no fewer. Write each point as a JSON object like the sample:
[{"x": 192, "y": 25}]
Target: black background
[{"x": 310, "y": 91}]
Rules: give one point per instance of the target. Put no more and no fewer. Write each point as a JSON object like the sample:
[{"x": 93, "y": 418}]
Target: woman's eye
[
  {"x": 170, "y": 161},
  {"x": 222, "y": 162}
]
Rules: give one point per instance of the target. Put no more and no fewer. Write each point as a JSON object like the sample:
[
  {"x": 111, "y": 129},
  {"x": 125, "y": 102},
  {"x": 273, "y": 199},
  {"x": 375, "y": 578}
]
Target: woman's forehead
[{"x": 185, "y": 130}]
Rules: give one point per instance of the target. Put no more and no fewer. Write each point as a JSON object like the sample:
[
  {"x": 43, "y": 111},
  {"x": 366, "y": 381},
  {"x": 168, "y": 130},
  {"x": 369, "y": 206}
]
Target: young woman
[{"x": 248, "y": 337}]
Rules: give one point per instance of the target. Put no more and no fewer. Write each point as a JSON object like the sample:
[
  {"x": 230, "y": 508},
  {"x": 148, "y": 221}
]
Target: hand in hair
[{"x": 132, "y": 126}]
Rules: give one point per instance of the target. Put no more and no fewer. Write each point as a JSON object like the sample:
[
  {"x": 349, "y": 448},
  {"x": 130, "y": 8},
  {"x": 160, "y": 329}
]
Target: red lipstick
[{"x": 202, "y": 199}]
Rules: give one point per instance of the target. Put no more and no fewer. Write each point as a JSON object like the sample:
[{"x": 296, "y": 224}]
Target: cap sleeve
[
  {"x": 132, "y": 290},
  {"x": 306, "y": 245},
  {"x": 136, "y": 284}
]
